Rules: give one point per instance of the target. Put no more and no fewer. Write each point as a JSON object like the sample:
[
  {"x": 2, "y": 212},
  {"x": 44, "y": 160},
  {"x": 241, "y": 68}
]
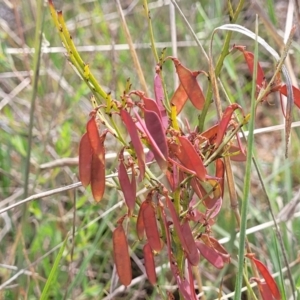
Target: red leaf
[
  {"x": 249, "y": 57},
  {"x": 172, "y": 176},
  {"x": 93, "y": 134},
  {"x": 159, "y": 156},
  {"x": 213, "y": 203},
  {"x": 98, "y": 158},
  {"x": 213, "y": 251},
  {"x": 263, "y": 270},
  {"x": 191, "y": 280},
  {"x": 121, "y": 255},
  {"x": 193, "y": 256},
  {"x": 236, "y": 154},
  {"x": 191, "y": 159},
  {"x": 140, "y": 226},
  {"x": 159, "y": 96},
  {"x": 183, "y": 284},
  {"x": 151, "y": 229},
  {"x": 214, "y": 211},
  {"x": 224, "y": 122},
  {"x": 98, "y": 175},
  {"x": 211, "y": 255},
  {"x": 128, "y": 188},
  {"x": 220, "y": 173},
  {"x": 151, "y": 105},
  {"x": 136, "y": 142},
  {"x": 179, "y": 98},
  {"x": 181, "y": 167},
  {"x": 212, "y": 242},
  {"x": 176, "y": 223},
  {"x": 85, "y": 160},
  {"x": 211, "y": 133},
  {"x": 155, "y": 128},
  {"x": 196, "y": 187},
  {"x": 263, "y": 289},
  {"x": 189, "y": 82},
  {"x": 149, "y": 263},
  {"x": 166, "y": 227},
  {"x": 296, "y": 94}
]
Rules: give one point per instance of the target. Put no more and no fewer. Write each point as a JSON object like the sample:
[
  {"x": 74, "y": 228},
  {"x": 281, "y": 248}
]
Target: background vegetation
[{"x": 32, "y": 234}]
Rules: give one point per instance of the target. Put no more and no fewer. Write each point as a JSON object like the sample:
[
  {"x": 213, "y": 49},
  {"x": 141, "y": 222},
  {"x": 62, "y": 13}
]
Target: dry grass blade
[
  {"x": 133, "y": 53},
  {"x": 14, "y": 92}
]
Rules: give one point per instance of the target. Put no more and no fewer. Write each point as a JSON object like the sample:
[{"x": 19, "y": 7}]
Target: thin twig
[
  {"x": 191, "y": 30},
  {"x": 132, "y": 49},
  {"x": 19, "y": 88},
  {"x": 174, "y": 40},
  {"x": 151, "y": 31},
  {"x": 42, "y": 195}
]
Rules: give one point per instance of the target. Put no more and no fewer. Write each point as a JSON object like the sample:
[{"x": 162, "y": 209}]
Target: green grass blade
[
  {"x": 53, "y": 272},
  {"x": 247, "y": 182},
  {"x": 281, "y": 277}
]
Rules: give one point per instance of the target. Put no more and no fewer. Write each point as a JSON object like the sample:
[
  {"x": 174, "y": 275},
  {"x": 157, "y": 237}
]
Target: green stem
[
  {"x": 219, "y": 65},
  {"x": 249, "y": 288},
  {"x": 119, "y": 135},
  {"x": 158, "y": 60},
  {"x": 247, "y": 181},
  {"x": 179, "y": 250},
  {"x": 75, "y": 57},
  {"x": 36, "y": 70},
  {"x": 151, "y": 31}
]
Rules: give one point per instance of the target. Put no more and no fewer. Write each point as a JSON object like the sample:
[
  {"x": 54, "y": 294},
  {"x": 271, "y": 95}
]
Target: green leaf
[{"x": 53, "y": 272}]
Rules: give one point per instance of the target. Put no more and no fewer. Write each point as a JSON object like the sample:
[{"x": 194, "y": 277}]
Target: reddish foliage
[
  {"x": 121, "y": 255},
  {"x": 140, "y": 226},
  {"x": 263, "y": 289},
  {"x": 220, "y": 171},
  {"x": 149, "y": 263},
  {"x": 85, "y": 160},
  {"x": 225, "y": 121},
  {"x": 159, "y": 96},
  {"x": 92, "y": 159},
  {"x": 159, "y": 156},
  {"x": 155, "y": 128},
  {"x": 236, "y": 154},
  {"x": 193, "y": 255},
  {"x": 190, "y": 158},
  {"x": 150, "y": 225},
  {"x": 263, "y": 270},
  {"x": 179, "y": 98},
  {"x": 296, "y": 93},
  {"x": 212, "y": 242},
  {"x": 93, "y": 133},
  {"x": 176, "y": 223},
  {"x": 249, "y": 57},
  {"x": 189, "y": 83},
  {"x": 136, "y": 142},
  {"x": 212, "y": 251},
  {"x": 128, "y": 187},
  {"x": 210, "y": 255},
  {"x": 98, "y": 175},
  {"x": 183, "y": 285},
  {"x": 151, "y": 105}
]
